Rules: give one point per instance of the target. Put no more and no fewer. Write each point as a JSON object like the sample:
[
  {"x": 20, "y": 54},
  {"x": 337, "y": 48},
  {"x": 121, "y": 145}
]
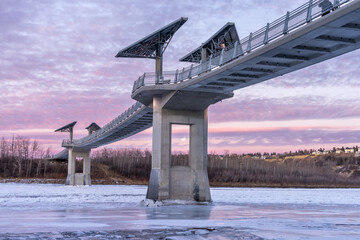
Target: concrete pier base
[
  {"x": 178, "y": 182},
  {"x": 74, "y": 178}
]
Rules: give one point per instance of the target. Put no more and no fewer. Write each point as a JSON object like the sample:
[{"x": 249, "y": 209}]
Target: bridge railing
[
  {"x": 105, "y": 129},
  {"x": 291, "y": 21}
]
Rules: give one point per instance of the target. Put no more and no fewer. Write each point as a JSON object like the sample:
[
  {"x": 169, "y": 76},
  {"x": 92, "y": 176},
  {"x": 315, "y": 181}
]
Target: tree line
[
  {"x": 319, "y": 170},
  {"x": 21, "y": 157},
  {"x": 24, "y": 158}
]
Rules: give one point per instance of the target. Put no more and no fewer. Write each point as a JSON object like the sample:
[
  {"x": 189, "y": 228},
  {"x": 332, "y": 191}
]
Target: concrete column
[
  {"x": 178, "y": 182},
  {"x": 86, "y": 180},
  {"x": 70, "y": 180},
  {"x": 74, "y": 178},
  {"x": 198, "y": 157},
  {"x": 159, "y": 176}
]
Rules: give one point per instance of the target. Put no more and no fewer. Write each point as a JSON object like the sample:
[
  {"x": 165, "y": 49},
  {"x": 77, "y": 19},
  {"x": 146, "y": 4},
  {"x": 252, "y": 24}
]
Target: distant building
[
  {"x": 318, "y": 152},
  {"x": 339, "y": 150},
  {"x": 349, "y": 150}
]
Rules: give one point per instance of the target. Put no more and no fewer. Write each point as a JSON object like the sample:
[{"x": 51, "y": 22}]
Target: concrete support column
[
  {"x": 74, "y": 178},
  {"x": 178, "y": 182},
  {"x": 159, "y": 146},
  {"x": 70, "y": 180},
  {"x": 198, "y": 156}
]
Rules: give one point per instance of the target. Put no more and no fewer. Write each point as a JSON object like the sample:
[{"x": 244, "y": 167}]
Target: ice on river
[{"x": 270, "y": 213}]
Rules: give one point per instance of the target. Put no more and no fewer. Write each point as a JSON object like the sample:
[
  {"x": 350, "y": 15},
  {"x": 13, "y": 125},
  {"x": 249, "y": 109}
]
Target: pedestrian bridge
[{"x": 312, "y": 33}]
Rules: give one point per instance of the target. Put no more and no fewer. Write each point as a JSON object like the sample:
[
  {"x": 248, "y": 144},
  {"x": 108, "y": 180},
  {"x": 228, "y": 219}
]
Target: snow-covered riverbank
[{"x": 265, "y": 212}]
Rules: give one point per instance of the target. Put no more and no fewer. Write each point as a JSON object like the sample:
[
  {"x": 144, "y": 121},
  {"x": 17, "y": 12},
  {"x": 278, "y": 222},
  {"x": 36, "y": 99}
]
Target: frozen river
[{"x": 269, "y": 213}]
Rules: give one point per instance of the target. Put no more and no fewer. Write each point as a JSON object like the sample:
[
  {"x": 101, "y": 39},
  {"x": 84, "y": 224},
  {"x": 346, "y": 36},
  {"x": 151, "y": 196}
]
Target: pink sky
[{"x": 58, "y": 66}]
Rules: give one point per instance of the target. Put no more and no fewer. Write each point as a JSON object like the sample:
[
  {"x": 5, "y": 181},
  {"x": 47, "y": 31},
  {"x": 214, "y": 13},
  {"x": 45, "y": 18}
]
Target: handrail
[
  {"x": 293, "y": 20},
  {"x": 105, "y": 129}
]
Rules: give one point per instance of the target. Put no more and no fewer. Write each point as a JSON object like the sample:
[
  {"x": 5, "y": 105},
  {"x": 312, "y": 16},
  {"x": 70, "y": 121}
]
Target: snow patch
[{"x": 151, "y": 203}]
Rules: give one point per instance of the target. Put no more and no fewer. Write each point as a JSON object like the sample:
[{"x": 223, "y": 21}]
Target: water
[{"x": 269, "y": 213}]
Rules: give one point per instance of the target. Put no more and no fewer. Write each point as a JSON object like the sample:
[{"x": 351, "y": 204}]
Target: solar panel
[
  {"x": 225, "y": 38},
  {"x": 92, "y": 127},
  {"x": 66, "y": 128},
  {"x": 149, "y": 45}
]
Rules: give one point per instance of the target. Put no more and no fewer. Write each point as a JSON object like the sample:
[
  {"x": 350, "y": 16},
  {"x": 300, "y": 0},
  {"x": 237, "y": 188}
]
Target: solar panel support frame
[{"x": 153, "y": 46}]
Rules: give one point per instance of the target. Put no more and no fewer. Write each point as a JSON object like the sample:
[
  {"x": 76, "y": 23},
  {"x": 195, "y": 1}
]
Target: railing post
[
  {"x": 222, "y": 56},
  {"x": 286, "y": 24},
  {"x": 249, "y": 43},
  {"x": 266, "y": 37},
  {"x": 176, "y": 76},
  {"x": 135, "y": 84},
  {"x": 209, "y": 66},
  {"x": 182, "y": 74},
  {"x": 241, "y": 50},
  {"x": 143, "y": 80},
  {"x": 235, "y": 48},
  {"x": 189, "y": 75},
  {"x": 308, "y": 16},
  {"x": 200, "y": 67}
]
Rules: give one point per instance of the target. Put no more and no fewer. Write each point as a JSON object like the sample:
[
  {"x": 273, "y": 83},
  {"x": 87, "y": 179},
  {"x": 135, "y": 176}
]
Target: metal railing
[
  {"x": 280, "y": 27},
  {"x": 57, "y": 155},
  {"x": 104, "y": 130}
]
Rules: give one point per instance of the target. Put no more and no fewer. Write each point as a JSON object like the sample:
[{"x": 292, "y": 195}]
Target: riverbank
[{"x": 128, "y": 181}]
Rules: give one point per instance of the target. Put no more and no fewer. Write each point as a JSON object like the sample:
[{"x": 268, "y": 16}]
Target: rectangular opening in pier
[
  {"x": 79, "y": 164},
  {"x": 180, "y": 144}
]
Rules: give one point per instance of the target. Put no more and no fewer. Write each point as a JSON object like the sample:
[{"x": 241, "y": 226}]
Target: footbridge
[{"x": 312, "y": 33}]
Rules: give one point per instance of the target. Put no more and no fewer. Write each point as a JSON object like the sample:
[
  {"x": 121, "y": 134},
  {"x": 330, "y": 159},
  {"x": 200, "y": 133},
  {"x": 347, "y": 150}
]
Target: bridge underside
[{"x": 137, "y": 121}]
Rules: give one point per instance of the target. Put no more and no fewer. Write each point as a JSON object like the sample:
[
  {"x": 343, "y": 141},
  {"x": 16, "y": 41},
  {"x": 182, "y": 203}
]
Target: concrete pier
[
  {"x": 74, "y": 178},
  {"x": 178, "y": 182}
]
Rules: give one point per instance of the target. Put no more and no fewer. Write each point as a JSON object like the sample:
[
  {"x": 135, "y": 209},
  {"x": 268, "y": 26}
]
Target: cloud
[
  {"x": 261, "y": 106},
  {"x": 282, "y": 140},
  {"x": 251, "y": 141}
]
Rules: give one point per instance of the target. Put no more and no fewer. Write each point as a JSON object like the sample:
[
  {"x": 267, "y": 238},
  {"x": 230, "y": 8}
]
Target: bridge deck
[
  {"x": 136, "y": 119},
  {"x": 266, "y": 54}
]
